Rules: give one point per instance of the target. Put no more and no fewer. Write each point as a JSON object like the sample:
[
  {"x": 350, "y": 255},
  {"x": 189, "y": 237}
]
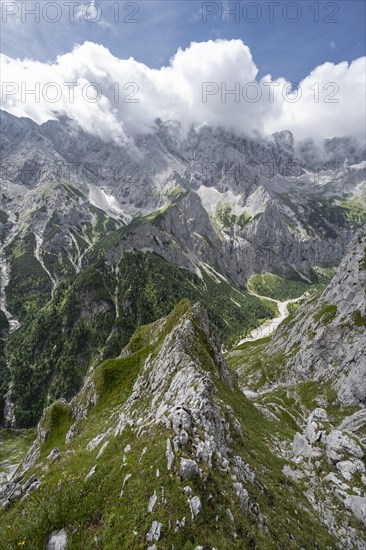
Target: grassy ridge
[
  {"x": 97, "y": 516},
  {"x": 92, "y": 318}
]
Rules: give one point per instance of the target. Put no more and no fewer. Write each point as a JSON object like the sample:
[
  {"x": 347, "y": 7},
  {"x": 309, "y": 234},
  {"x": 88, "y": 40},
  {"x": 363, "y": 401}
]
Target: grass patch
[
  {"x": 358, "y": 319},
  {"x": 276, "y": 287},
  {"x": 325, "y": 314}
]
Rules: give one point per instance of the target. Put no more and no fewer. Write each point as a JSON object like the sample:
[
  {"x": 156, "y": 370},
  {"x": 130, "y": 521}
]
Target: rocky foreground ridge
[{"x": 160, "y": 449}]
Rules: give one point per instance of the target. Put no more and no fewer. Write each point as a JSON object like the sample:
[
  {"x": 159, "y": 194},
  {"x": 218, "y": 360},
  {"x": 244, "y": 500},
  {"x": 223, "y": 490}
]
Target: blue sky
[{"x": 321, "y": 31}]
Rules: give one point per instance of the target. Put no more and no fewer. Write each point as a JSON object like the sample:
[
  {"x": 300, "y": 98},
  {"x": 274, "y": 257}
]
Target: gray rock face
[
  {"x": 195, "y": 505},
  {"x": 264, "y": 178},
  {"x": 17, "y": 488},
  {"x": 355, "y": 424},
  {"x": 152, "y": 502},
  {"x": 188, "y": 469},
  {"x": 331, "y": 332},
  {"x": 343, "y": 453},
  {"x": 358, "y": 506},
  {"x": 339, "y": 445},
  {"x": 314, "y": 431},
  {"x": 347, "y": 468},
  {"x": 57, "y": 540},
  {"x": 180, "y": 440},
  {"x": 300, "y": 446}
]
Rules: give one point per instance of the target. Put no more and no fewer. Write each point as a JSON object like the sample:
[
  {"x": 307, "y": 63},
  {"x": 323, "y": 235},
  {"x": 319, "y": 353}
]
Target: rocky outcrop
[
  {"x": 343, "y": 489},
  {"x": 177, "y": 391},
  {"x": 17, "y": 489},
  {"x": 57, "y": 540},
  {"x": 331, "y": 332}
]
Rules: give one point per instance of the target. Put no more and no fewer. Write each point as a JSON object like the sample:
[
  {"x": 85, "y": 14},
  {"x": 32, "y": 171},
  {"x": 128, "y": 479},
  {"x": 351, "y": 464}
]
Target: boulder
[
  {"x": 188, "y": 468},
  {"x": 349, "y": 467},
  {"x": 91, "y": 472},
  {"x": 57, "y": 540},
  {"x": 358, "y": 507},
  {"x": 314, "y": 431},
  {"x": 300, "y": 446},
  {"x": 169, "y": 455},
  {"x": 152, "y": 502},
  {"x": 243, "y": 496},
  {"x": 154, "y": 533},
  {"x": 54, "y": 454},
  {"x": 180, "y": 440},
  {"x": 28, "y": 483},
  {"x": 71, "y": 434},
  {"x": 339, "y": 445},
  {"x": 195, "y": 505}
]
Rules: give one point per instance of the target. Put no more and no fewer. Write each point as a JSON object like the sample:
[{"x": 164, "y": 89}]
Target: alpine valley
[{"x": 182, "y": 335}]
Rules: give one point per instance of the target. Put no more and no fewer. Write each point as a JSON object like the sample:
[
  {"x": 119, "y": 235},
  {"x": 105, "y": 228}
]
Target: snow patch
[
  {"x": 108, "y": 203},
  {"x": 211, "y": 197}
]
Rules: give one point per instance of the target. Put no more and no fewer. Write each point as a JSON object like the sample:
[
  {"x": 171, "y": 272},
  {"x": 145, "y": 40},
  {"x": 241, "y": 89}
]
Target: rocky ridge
[
  {"x": 256, "y": 201},
  {"x": 165, "y": 430}
]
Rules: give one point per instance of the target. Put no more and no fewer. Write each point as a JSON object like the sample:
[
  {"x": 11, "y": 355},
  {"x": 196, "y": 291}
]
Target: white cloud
[{"x": 332, "y": 99}]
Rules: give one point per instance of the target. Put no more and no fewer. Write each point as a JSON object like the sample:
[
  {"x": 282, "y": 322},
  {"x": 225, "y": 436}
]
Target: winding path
[{"x": 270, "y": 325}]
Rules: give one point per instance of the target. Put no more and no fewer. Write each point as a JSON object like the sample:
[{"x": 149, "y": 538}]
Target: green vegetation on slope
[
  {"x": 226, "y": 217},
  {"x": 276, "y": 287},
  {"x": 355, "y": 210},
  {"x": 29, "y": 287},
  {"x": 95, "y": 513},
  {"x": 4, "y": 371},
  {"x": 92, "y": 318},
  {"x": 324, "y": 216},
  {"x": 14, "y": 445}
]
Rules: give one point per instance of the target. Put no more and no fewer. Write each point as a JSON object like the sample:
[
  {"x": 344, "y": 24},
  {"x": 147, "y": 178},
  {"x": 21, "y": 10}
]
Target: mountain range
[{"x": 123, "y": 268}]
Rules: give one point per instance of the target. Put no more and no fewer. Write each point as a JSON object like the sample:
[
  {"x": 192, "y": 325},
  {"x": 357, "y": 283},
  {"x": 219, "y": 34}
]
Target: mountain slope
[
  {"x": 84, "y": 221},
  {"x": 332, "y": 331},
  {"x": 93, "y": 316},
  {"x": 324, "y": 341},
  {"x": 265, "y": 207},
  {"x": 311, "y": 377},
  {"x": 160, "y": 448}
]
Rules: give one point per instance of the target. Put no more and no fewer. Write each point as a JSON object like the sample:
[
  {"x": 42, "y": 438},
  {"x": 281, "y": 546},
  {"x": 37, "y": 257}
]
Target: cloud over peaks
[{"x": 210, "y": 83}]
